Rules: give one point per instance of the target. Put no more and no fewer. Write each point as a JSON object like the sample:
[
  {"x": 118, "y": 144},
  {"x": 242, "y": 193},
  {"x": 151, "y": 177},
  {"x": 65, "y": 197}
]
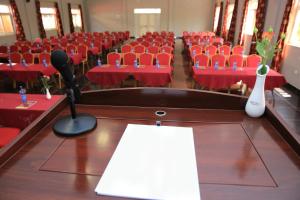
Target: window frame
[
  {"x": 228, "y": 22},
  {"x": 76, "y": 15},
  {"x": 9, "y": 13},
  {"x": 246, "y": 23},
  {"x": 295, "y": 21},
  {"x": 52, "y": 14},
  {"x": 216, "y": 19}
]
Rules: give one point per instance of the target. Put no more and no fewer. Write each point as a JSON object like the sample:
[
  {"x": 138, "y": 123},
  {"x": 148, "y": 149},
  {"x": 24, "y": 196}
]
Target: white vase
[
  {"x": 256, "y": 104},
  {"x": 48, "y": 95}
]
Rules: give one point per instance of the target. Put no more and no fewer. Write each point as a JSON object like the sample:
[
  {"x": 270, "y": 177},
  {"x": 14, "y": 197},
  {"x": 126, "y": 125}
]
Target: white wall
[
  {"x": 27, "y": 12},
  {"x": 177, "y": 15}
]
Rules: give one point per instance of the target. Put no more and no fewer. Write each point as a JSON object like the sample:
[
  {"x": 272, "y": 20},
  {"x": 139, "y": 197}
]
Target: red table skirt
[
  {"x": 11, "y": 116},
  {"x": 108, "y": 75},
  {"x": 224, "y": 78},
  {"x": 31, "y": 72}
]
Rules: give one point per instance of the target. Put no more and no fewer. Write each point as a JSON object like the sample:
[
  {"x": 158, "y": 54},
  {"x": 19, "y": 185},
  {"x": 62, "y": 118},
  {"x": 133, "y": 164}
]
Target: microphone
[{"x": 75, "y": 124}]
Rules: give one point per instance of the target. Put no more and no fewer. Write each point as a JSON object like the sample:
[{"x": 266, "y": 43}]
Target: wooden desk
[{"x": 237, "y": 157}]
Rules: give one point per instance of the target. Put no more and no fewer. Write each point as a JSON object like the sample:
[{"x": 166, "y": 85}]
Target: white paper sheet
[{"x": 152, "y": 162}]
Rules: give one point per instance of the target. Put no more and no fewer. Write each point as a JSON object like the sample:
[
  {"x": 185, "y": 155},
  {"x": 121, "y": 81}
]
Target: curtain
[
  {"x": 283, "y": 29},
  {"x": 20, "y": 35},
  {"x": 219, "y": 28},
  {"x": 81, "y": 15},
  {"x": 58, "y": 19},
  {"x": 245, "y": 10},
  {"x": 72, "y": 29},
  {"x": 224, "y": 31},
  {"x": 215, "y": 9},
  {"x": 259, "y": 23},
  {"x": 231, "y": 31},
  {"x": 39, "y": 19}
]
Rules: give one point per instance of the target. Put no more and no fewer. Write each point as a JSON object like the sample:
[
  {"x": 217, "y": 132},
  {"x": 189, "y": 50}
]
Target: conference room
[{"x": 149, "y": 99}]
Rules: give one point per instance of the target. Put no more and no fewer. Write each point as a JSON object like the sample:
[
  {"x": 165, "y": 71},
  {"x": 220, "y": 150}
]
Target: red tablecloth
[
  {"x": 3, "y": 55},
  {"x": 224, "y": 78},
  {"x": 108, "y": 75},
  {"x": 22, "y": 117},
  {"x": 20, "y": 73}
]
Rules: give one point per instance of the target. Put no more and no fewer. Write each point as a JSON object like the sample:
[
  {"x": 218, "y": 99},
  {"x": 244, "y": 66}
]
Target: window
[
  {"x": 249, "y": 24},
  {"x": 147, "y": 11},
  {"x": 6, "y": 23},
  {"x": 216, "y": 20},
  {"x": 295, "y": 36},
  {"x": 48, "y": 18},
  {"x": 229, "y": 16},
  {"x": 76, "y": 17}
]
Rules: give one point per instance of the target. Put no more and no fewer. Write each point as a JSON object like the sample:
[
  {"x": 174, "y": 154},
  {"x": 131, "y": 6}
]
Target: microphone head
[{"x": 59, "y": 59}]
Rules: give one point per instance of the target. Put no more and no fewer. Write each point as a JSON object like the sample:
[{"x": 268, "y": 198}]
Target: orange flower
[{"x": 268, "y": 35}]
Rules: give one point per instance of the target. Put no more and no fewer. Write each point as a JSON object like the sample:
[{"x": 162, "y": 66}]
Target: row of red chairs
[
  {"x": 213, "y": 50},
  {"x": 29, "y": 57},
  {"x": 251, "y": 61},
  {"x": 142, "y": 49},
  {"x": 143, "y": 59},
  {"x": 200, "y": 33}
]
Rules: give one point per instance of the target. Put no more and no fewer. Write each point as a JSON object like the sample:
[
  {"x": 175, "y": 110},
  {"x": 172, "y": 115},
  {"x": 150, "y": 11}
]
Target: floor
[{"x": 288, "y": 108}]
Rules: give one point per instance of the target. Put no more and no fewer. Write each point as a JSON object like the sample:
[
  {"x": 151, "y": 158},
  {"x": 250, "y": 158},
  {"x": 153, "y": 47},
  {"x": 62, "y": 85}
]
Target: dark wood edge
[
  {"x": 287, "y": 133},
  {"x": 164, "y": 97},
  {"x": 29, "y": 132}
]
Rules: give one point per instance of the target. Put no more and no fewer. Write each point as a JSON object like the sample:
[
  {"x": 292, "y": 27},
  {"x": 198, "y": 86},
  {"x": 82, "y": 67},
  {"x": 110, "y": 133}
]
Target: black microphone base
[{"x": 67, "y": 126}]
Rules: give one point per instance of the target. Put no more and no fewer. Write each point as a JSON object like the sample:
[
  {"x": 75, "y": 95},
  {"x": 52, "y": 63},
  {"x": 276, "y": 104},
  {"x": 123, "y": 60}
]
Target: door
[{"x": 146, "y": 22}]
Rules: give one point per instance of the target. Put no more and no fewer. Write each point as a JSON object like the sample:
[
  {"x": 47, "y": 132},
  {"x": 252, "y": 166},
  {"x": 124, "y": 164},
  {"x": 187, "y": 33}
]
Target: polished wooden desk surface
[{"x": 237, "y": 157}]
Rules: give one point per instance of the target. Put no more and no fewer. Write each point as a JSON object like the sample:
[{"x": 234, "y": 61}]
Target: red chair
[
  {"x": 202, "y": 59},
  {"x": 153, "y": 49},
  {"x": 44, "y": 56},
  {"x": 29, "y": 58},
  {"x": 218, "y": 58},
  {"x": 166, "y": 49},
  {"x": 224, "y": 50},
  {"x": 238, "y": 50},
  {"x": 126, "y": 48},
  {"x": 156, "y": 43},
  {"x": 139, "y": 40},
  {"x": 145, "y": 44},
  {"x": 253, "y": 60},
  {"x": 146, "y": 59},
  {"x": 71, "y": 49},
  {"x": 211, "y": 50},
  {"x": 164, "y": 58},
  {"x": 14, "y": 48},
  {"x": 47, "y": 48},
  {"x": 15, "y": 57},
  {"x": 25, "y": 49},
  {"x": 83, "y": 51},
  {"x": 7, "y": 135},
  {"x": 112, "y": 57},
  {"x": 139, "y": 49},
  {"x": 134, "y": 43},
  {"x": 237, "y": 59},
  {"x": 129, "y": 58},
  {"x": 3, "y": 49}
]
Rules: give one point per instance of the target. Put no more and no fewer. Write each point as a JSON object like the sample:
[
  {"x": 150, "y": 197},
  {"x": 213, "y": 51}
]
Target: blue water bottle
[
  {"x": 23, "y": 96},
  {"x": 157, "y": 64},
  {"x": 194, "y": 53},
  {"x": 117, "y": 63},
  {"x": 135, "y": 64},
  {"x": 197, "y": 64},
  {"x": 44, "y": 63},
  {"x": 23, "y": 61},
  {"x": 216, "y": 66},
  {"x": 9, "y": 62},
  {"x": 99, "y": 62},
  {"x": 234, "y": 66}
]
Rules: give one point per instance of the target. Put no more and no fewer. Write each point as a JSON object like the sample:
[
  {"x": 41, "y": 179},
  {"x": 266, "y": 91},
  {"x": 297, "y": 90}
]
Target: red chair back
[
  {"x": 3, "y": 49},
  {"x": 134, "y": 43},
  {"x": 129, "y": 58},
  {"x": 47, "y": 48},
  {"x": 238, "y": 50},
  {"x": 146, "y": 59},
  {"x": 14, "y": 48},
  {"x": 126, "y": 48},
  {"x": 25, "y": 49},
  {"x": 237, "y": 59},
  {"x": 166, "y": 49},
  {"x": 253, "y": 60},
  {"x": 83, "y": 50},
  {"x": 15, "y": 57},
  {"x": 164, "y": 58},
  {"x": 139, "y": 49},
  {"x": 112, "y": 57},
  {"x": 218, "y": 58},
  {"x": 145, "y": 44},
  {"x": 71, "y": 48},
  {"x": 29, "y": 58},
  {"x": 224, "y": 50},
  {"x": 211, "y": 50},
  {"x": 153, "y": 49},
  {"x": 44, "y": 56},
  {"x": 202, "y": 59}
]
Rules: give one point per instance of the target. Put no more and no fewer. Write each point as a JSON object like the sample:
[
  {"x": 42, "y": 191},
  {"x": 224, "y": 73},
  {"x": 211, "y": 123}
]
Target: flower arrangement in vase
[
  {"x": 46, "y": 86},
  {"x": 255, "y": 106}
]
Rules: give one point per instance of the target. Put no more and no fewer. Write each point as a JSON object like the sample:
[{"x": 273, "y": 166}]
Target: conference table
[
  {"x": 223, "y": 78},
  {"x": 19, "y": 72},
  {"x": 147, "y": 75},
  {"x": 237, "y": 157},
  {"x": 14, "y": 114}
]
